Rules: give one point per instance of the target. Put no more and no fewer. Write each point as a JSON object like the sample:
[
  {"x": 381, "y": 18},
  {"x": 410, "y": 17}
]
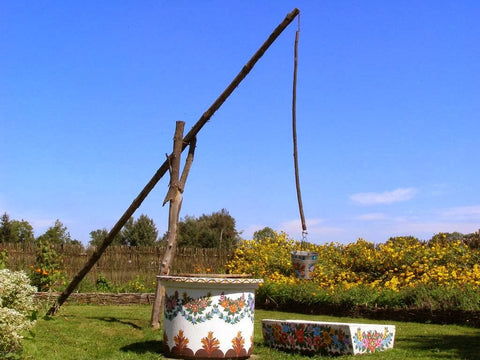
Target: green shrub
[
  {"x": 16, "y": 310},
  {"x": 357, "y": 295},
  {"x": 387, "y": 298},
  {"x": 305, "y": 296},
  {"x": 434, "y": 297},
  {"x": 135, "y": 286},
  {"x": 48, "y": 272},
  {"x": 104, "y": 285},
  {"x": 3, "y": 259}
]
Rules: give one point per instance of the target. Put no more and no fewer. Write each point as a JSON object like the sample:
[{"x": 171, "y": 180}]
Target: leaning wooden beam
[
  {"x": 163, "y": 169},
  {"x": 241, "y": 75}
]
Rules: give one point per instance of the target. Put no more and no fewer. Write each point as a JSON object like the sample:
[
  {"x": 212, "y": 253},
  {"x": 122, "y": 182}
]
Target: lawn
[{"x": 122, "y": 332}]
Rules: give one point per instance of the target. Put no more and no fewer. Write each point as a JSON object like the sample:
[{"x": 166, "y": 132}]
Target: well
[{"x": 207, "y": 317}]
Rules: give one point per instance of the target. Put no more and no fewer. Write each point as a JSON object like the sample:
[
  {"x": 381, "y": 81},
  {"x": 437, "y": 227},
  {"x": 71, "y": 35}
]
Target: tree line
[{"x": 216, "y": 230}]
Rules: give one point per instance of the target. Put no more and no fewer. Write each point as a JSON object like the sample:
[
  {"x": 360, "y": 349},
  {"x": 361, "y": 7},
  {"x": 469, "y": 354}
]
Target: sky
[{"x": 388, "y": 114}]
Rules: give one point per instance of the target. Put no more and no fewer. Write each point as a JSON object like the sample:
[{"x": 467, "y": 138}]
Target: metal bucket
[{"x": 304, "y": 263}]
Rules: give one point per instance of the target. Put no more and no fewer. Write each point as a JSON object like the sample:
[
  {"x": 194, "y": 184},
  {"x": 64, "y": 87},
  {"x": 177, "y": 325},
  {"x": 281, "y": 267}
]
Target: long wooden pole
[
  {"x": 164, "y": 167},
  {"x": 294, "y": 130}
]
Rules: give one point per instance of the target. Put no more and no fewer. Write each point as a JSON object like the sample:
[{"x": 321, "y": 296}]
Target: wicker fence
[{"x": 121, "y": 264}]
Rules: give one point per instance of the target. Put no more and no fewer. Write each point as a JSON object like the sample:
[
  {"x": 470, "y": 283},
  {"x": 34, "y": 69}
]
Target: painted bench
[{"x": 327, "y": 338}]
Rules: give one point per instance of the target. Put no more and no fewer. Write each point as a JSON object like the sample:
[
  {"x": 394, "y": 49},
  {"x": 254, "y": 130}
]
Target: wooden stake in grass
[{"x": 163, "y": 169}]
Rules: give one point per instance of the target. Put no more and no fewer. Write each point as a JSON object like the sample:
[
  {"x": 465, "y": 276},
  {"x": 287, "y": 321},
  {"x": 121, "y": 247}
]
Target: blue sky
[{"x": 387, "y": 114}]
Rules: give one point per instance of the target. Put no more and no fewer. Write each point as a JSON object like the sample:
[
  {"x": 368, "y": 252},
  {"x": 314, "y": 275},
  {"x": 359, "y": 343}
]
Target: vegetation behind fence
[{"x": 121, "y": 264}]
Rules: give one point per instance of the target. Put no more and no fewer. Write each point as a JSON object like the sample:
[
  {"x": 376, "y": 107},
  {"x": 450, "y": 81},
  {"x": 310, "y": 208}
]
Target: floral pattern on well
[
  {"x": 172, "y": 306},
  {"x": 210, "y": 344},
  {"x": 308, "y": 338},
  {"x": 197, "y": 310},
  {"x": 210, "y": 347},
  {"x": 238, "y": 344},
  {"x": 181, "y": 341},
  {"x": 371, "y": 340},
  {"x": 233, "y": 310},
  {"x": 202, "y": 309}
]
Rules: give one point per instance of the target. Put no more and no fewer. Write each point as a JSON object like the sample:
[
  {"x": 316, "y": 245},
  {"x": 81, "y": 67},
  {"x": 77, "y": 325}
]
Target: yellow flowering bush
[
  {"x": 399, "y": 265},
  {"x": 267, "y": 257}
]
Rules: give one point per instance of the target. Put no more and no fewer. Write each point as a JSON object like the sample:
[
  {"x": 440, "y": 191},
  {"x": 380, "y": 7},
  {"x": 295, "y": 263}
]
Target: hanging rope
[{"x": 294, "y": 130}]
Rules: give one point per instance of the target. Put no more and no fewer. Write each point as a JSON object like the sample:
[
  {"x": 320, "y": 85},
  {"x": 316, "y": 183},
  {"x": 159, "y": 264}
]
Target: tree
[
  {"x": 216, "y": 230},
  {"x": 140, "y": 232},
  {"x": 473, "y": 240},
  {"x": 97, "y": 237},
  {"x": 56, "y": 235},
  {"x": 22, "y": 231},
  {"x": 15, "y": 231},
  {"x": 444, "y": 238},
  {"x": 222, "y": 229},
  {"x": 5, "y": 229},
  {"x": 266, "y": 232}
]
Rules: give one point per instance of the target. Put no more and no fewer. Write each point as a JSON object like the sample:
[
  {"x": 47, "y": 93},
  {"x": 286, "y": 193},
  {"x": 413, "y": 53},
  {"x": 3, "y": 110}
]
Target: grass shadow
[
  {"x": 464, "y": 346},
  {"x": 144, "y": 347},
  {"x": 110, "y": 319}
]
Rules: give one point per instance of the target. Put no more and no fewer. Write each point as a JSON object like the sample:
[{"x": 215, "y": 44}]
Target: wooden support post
[{"x": 174, "y": 196}]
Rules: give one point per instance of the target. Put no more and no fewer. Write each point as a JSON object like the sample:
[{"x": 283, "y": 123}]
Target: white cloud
[
  {"x": 425, "y": 230},
  {"x": 42, "y": 223},
  {"x": 297, "y": 222},
  {"x": 378, "y": 226},
  {"x": 386, "y": 197},
  {"x": 462, "y": 213},
  {"x": 372, "y": 217},
  {"x": 295, "y": 226},
  {"x": 315, "y": 229}
]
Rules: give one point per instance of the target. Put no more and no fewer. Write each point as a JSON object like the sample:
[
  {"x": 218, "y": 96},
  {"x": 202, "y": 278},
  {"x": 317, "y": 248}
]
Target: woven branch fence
[{"x": 121, "y": 264}]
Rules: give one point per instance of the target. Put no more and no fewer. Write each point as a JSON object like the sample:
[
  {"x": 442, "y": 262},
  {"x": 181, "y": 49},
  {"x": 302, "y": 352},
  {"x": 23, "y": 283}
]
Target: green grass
[{"x": 122, "y": 332}]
